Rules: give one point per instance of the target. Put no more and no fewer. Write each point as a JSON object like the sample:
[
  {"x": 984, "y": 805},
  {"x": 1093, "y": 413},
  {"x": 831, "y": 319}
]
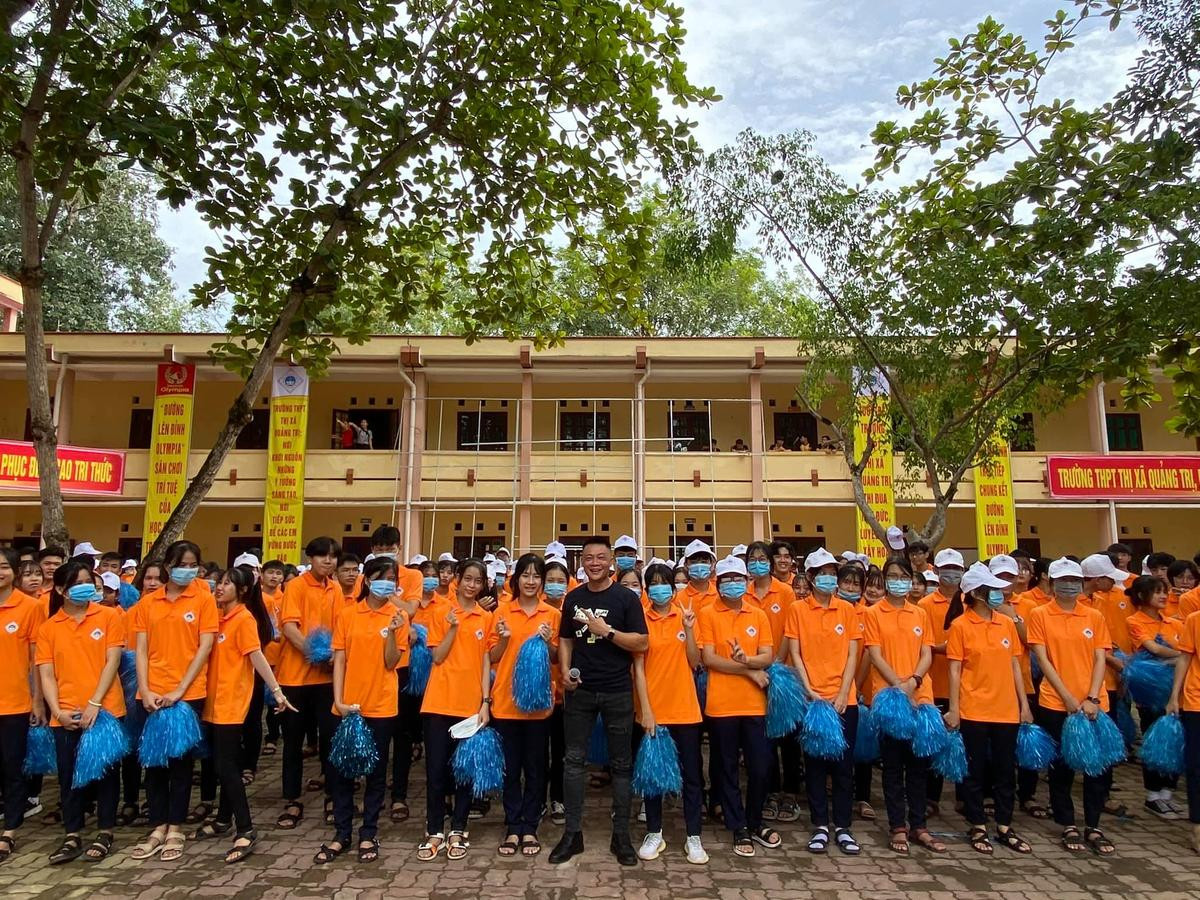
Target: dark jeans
[
  {"x": 579, "y": 717},
  {"x": 1062, "y": 777},
  {"x": 558, "y": 754},
  {"x": 273, "y": 729},
  {"x": 252, "y": 728},
  {"x": 905, "y": 780},
  {"x": 404, "y": 735},
  {"x": 1151, "y": 780},
  {"x": 747, "y": 735},
  {"x": 838, "y": 772},
  {"x": 525, "y": 747},
  {"x": 1191, "y": 753},
  {"x": 169, "y": 787},
  {"x": 687, "y": 743},
  {"x": 131, "y": 779},
  {"x": 787, "y": 765},
  {"x": 863, "y": 775},
  {"x": 991, "y": 763},
  {"x": 314, "y": 709},
  {"x": 373, "y": 790},
  {"x": 14, "y": 732},
  {"x": 439, "y": 776},
  {"x": 225, "y": 749},
  {"x": 1027, "y": 779},
  {"x": 106, "y": 791}
]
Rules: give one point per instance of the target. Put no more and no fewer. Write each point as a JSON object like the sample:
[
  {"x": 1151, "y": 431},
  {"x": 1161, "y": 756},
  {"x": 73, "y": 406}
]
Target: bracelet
[{"x": 95, "y": 704}]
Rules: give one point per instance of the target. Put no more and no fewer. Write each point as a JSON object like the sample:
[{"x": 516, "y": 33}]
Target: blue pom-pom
[
  {"x": 1125, "y": 723},
  {"x": 656, "y": 771},
  {"x": 1091, "y": 746},
  {"x": 135, "y": 713},
  {"x": 1035, "y": 668},
  {"x": 1036, "y": 749},
  {"x": 268, "y": 696},
  {"x": 420, "y": 662},
  {"x": 1149, "y": 680},
  {"x": 701, "y": 679},
  {"x": 169, "y": 733},
  {"x": 951, "y": 760},
  {"x": 893, "y": 714},
  {"x": 127, "y": 596},
  {"x": 786, "y": 701},
  {"x": 1162, "y": 747},
  {"x": 597, "y": 753},
  {"x": 531, "y": 676},
  {"x": 318, "y": 647},
  {"x": 479, "y": 762},
  {"x": 352, "y": 750},
  {"x": 40, "y": 755},
  {"x": 866, "y": 739},
  {"x": 930, "y": 734},
  {"x": 1112, "y": 744},
  {"x": 101, "y": 747},
  {"x": 824, "y": 737}
]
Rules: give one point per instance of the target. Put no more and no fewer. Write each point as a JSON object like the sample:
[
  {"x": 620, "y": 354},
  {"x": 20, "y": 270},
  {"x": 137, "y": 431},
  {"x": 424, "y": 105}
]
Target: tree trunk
[{"x": 41, "y": 418}]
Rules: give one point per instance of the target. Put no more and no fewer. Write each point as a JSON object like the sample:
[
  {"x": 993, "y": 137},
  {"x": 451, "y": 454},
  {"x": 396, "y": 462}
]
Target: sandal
[
  {"x": 977, "y": 837},
  {"x": 1072, "y": 841},
  {"x": 247, "y": 778},
  {"x": 789, "y": 811},
  {"x": 770, "y": 811},
  {"x": 866, "y": 811},
  {"x": 923, "y": 837},
  {"x": 457, "y": 845},
  {"x": 268, "y": 749},
  {"x": 766, "y": 837},
  {"x": 328, "y": 853},
  {"x": 1116, "y": 810},
  {"x": 128, "y": 815},
  {"x": 315, "y": 784},
  {"x": 368, "y": 850},
  {"x": 212, "y": 830},
  {"x": 173, "y": 847},
  {"x": 100, "y": 847},
  {"x": 530, "y": 846},
  {"x": 52, "y": 817},
  {"x": 509, "y": 846},
  {"x": 400, "y": 811},
  {"x": 846, "y": 842},
  {"x": 898, "y": 841},
  {"x": 328, "y": 811},
  {"x": 71, "y": 848},
  {"x": 742, "y": 845},
  {"x": 288, "y": 819},
  {"x": 7, "y": 846},
  {"x": 1100, "y": 844},
  {"x": 239, "y": 850},
  {"x": 1012, "y": 841},
  {"x": 932, "y": 810},
  {"x": 1034, "y": 810},
  {"x": 431, "y": 847},
  {"x": 819, "y": 841},
  {"x": 418, "y": 752},
  {"x": 200, "y": 813},
  {"x": 150, "y": 847}
]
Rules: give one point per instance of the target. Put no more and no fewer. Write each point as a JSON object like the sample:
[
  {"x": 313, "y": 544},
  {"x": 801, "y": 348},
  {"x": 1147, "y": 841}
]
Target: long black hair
[
  {"x": 524, "y": 562},
  {"x": 65, "y": 576},
  {"x": 374, "y": 571},
  {"x": 1143, "y": 588},
  {"x": 473, "y": 563},
  {"x": 249, "y": 592},
  {"x": 174, "y": 556},
  {"x": 139, "y": 580}
]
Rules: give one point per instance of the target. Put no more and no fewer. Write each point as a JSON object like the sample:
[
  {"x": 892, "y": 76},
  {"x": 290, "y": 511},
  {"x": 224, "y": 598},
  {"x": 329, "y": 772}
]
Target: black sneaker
[
  {"x": 570, "y": 844},
  {"x": 622, "y": 848}
]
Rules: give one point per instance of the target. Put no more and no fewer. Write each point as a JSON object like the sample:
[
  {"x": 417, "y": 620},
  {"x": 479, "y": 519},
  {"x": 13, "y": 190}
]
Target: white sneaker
[
  {"x": 695, "y": 850},
  {"x": 652, "y": 845},
  {"x": 641, "y": 816}
]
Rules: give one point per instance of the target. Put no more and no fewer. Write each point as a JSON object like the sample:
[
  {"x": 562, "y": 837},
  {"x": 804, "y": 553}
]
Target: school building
[{"x": 499, "y": 443}]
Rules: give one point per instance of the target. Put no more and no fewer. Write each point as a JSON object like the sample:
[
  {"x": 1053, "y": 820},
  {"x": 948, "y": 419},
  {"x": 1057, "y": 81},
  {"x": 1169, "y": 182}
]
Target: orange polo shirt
[
  {"x": 1143, "y": 628},
  {"x": 937, "y": 605},
  {"x": 986, "y": 649},
  {"x": 1189, "y": 602},
  {"x": 734, "y": 695},
  {"x": 173, "y": 630},
  {"x": 309, "y": 605},
  {"x": 775, "y": 603},
  {"x": 20, "y": 618},
  {"x": 1189, "y": 641},
  {"x": 362, "y": 634},
  {"x": 899, "y": 633},
  {"x": 1024, "y": 604},
  {"x": 455, "y": 684},
  {"x": 522, "y": 626},
  {"x": 78, "y": 651},
  {"x": 691, "y": 598},
  {"x": 230, "y": 673},
  {"x": 1116, "y": 608},
  {"x": 669, "y": 683},
  {"x": 1036, "y": 596},
  {"x": 427, "y": 614},
  {"x": 824, "y": 635},
  {"x": 1070, "y": 639}
]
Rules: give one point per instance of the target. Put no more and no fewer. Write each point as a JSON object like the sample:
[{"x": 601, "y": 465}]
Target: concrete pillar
[
  {"x": 416, "y": 411},
  {"x": 524, "y": 538},
  {"x": 761, "y": 528}
]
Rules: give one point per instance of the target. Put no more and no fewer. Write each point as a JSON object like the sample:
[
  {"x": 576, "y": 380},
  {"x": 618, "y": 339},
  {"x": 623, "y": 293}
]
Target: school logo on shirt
[
  {"x": 918, "y": 631},
  {"x": 1088, "y": 633},
  {"x": 752, "y": 631},
  {"x": 1004, "y": 642},
  {"x": 97, "y": 634},
  {"x": 12, "y": 627},
  {"x": 221, "y": 638},
  {"x": 681, "y": 636},
  {"x": 1121, "y": 605},
  {"x": 479, "y": 634},
  {"x": 839, "y": 628},
  {"x": 383, "y": 632},
  {"x": 189, "y": 617},
  {"x": 775, "y": 607}
]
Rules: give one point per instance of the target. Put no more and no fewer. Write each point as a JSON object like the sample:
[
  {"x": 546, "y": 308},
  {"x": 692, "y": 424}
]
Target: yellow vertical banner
[
  {"x": 873, "y": 419},
  {"x": 283, "y": 517},
  {"x": 995, "y": 509},
  {"x": 170, "y": 443}
]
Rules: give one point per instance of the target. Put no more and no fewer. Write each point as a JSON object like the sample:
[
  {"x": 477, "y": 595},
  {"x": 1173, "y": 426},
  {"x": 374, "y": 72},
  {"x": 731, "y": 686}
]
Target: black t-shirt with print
[{"x": 602, "y": 665}]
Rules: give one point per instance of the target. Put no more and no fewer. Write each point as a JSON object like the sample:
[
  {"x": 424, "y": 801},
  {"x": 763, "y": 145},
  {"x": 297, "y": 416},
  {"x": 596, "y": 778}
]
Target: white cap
[
  {"x": 672, "y": 563},
  {"x": 488, "y": 557},
  {"x": 625, "y": 542},
  {"x": 1064, "y": 568},
  {"x": 980, "y": 576},
  {"x": 1003, "y": 564},
  {"x": 504, "y": 550},
  {"x": 557, "y": 559},
  {"x": 739, "y": 550},
  {"x": 949, "y": 557},
  {"x": 447, "y": 557},
  {"x": 895, "y": 538},
  {"x": 656, "y": 561},
  {"x": 556, "y": 548},
  {"x": 818, "y": 558},
  {"x": 695, "y": 547},
  {"x": 129, "y": 564},
  {"x": 110, "y": 581},
  {"x": 849, "y": 556},
  {"x": 85, "y": 548},
  {"x": 731, "y": 565},
  {"x": 368, "y": 558},
  {"x": 864, "y": 559},
  {"x": 930, "y": 576},
  {"x": 1098, "y": 565},
  {"x": 247, "y": 559},
  {"x": 580, "y": 575},
  {"x": 497, "y": 568},
  {"x": 418, "y": 559}
]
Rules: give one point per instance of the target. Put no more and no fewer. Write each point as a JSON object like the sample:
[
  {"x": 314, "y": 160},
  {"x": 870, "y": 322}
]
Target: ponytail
[{"x": 956, "y": 608}]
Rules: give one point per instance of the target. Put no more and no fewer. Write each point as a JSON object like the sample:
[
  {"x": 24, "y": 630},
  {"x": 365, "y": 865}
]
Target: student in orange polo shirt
[
  {"x": 236, "y": 658},
  {"x": 271, "y": 583},
  {"x": 823, "y": 635},
  {"x": 1189, "y": 600},
  {"x": 987, "y": 703},
  {"x": 1185, "y": 702},
  {"x": 666, "y": 696},
  {"x": 310, "y": 601},
  {"x": 1071, "y": 642},
  {"x": 459, "y": 687},
  {"x": 554, "y": 592},
  {"x": 1104, "y": 588},
  {"x": 949, "y": 566},
  {"x": 446, "y": 567},
  {"x": 525, "y": 735},
  {"x": 369, "y": 640},
  {"x": 78, "y": 656},
  {"x": 1182, "y": 577},
  {"x": 701, "y": 591},
  {"x": 407, "y": 733},
  {"x": 899, "y": 640},
  {"x": 29, "y": 579},
  {"x": 735, "y": 646},
  {"x": 175, "y": 628}
]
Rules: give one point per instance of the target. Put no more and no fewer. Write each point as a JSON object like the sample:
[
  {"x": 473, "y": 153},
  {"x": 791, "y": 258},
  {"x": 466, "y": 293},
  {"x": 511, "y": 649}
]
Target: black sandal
[
  {"x": 1100, "y": 844},
  {"x": 846, "y": 842},
  {"x": 1012, "y": 841},
  {"x": 7, "y": 846},
  {"x": 819, "y": 842},
  {"x": 1035, "y": 810},
  {"x": 212, "y": 830},
  {"x": 368, "y": 851},
  {"x": 530, "y": 846},
  {"x": 400, "y": 811},
  {"x": 287, "y": 819},
  {"x": 742, "y": 844},
  {"x": 766, "y": 837},
  {"x": 268, "y": 749},
  {"x": 100, "y": 847},
  {"x": 237, "y": 852},
  {"x": 1072, "y": 841},
  {"x": 509, "y": 846},
  {"x": 128, "y": 815},
  {"x": 328, "y": 854},
  {"x": 977, "y": 837},
  {"x": 200, "y": 813},
  {"x": 70, "y": 849}
]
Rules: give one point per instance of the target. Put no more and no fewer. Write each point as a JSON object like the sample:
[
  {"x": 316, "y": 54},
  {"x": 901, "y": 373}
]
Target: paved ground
[{"x": 1153, "y": 859}]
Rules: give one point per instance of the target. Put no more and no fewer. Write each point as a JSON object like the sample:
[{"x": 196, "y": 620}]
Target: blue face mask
[
  {"x": 758, "y": 567},
  {"x": 995, "y": 599},
  {"x": 83, "y": 593},
  {"x": 899, "y": 587},
  {"x": 699, "y": 571},
  {"x": 212, "y": 584},
  {"x": 555, "y": 590},
  {"x": 383, "y": 588},
  {"x": 182, "y": 576},
  {"x": 732, "y": 590},
  {"x": 826, "y": 584},
  {"x": 660, "y": 594},
  {"x": 851, "y": 596},
  {"x": 626, "y": 563},
  {"x": 430, "y": 583}
]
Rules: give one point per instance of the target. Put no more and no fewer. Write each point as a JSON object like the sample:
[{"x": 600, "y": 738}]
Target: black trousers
[
  {"x": 131, "y": 779},
  {"x": 169, "y": 787},
  {"x": 687, "y": 743},
  {"x": 273, "y": 727},
  {"x": 105, "y": 792},
  {"x": 1151, "y": 780},
  {"x": 314, "y": 709},
  {"x": 1027, "y": 779},
  {"x": 225, "y": 755},
  {"x": 579, "y": 716},
  {"x": 747, "y": 736},
  {"x": 905, "y": 781},
  {"x": 14, "y": 732},
  {"x": 820, "y": 773},
  {"x": 934, "y": 782},
  {"x": 863, "y": 775},
  {"x": 787, "y": 765},
  {"x": 558, "y": 754},
  {"x": 373, "y": 790},
  {"x": 525, "y": 747},
  {"x": 991, "y": 764},
  {"x": 1191, "y": 754},
  {"x": 439, "y": 776},
  {"x": 252, "y": 728},
  {"x": 404, "y": 735},
  {"x": 1062, "y": 777}
]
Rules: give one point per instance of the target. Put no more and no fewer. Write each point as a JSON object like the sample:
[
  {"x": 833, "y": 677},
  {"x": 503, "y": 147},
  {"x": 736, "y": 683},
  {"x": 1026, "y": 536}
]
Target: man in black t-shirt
[{"x": 603, "y": 626}]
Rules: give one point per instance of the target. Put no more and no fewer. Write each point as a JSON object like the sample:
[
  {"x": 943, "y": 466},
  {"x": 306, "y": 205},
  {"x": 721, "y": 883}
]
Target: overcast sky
[{"x": 832, "y": 68}]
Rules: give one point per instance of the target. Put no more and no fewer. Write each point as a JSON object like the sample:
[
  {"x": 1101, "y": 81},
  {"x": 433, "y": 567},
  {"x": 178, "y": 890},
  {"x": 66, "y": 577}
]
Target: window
[
  {"x": 483, "y": 431},
  {"x": 790, "y": 427},
  {"x": 1023, "y": 437},
  {"x": 141, "y": 424},
  {"x": 584, "y": 431},
  {"x": 1124, "y": 431},
  {"x": 689, "y": 431},
  {"x": 257, "y": 433}
]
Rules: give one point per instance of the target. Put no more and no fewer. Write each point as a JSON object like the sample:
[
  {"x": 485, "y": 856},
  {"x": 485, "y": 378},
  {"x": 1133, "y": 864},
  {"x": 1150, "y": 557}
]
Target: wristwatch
[
  {"x": 1095, "y": 700},
  {"x": 611, "y": 634},
  {"x": 487, "y": 700},
  {"x": 918, "y": 678}
]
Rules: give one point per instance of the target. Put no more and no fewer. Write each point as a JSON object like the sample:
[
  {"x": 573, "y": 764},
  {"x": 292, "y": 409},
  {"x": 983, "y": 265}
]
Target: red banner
[
  {"x": 1142, "y": 477},
  {"x": 81, "y": 470},
  {"x": 175, "y": 378}
]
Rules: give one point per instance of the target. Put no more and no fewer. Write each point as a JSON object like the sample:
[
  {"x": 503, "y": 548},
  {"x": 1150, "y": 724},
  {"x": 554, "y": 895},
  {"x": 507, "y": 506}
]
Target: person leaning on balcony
[
  {"x": 778, "y": 446},
  {"x": 739, "y": 446}
]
